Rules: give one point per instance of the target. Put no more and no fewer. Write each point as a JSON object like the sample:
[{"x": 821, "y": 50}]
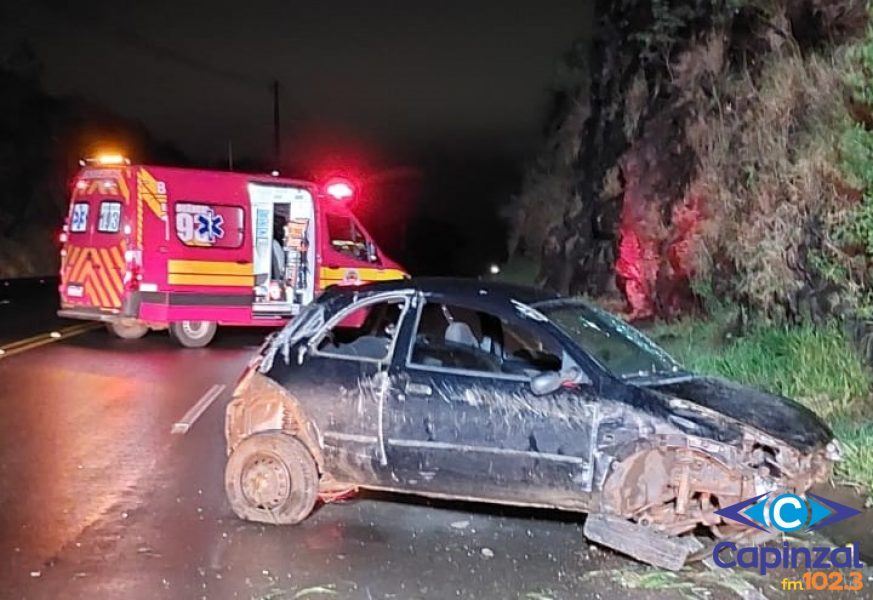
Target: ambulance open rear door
[{"x": 283, "y": 249}]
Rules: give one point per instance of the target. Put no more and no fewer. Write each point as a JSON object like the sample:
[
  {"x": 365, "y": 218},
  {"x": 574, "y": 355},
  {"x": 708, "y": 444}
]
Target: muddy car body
[{"x": 487, "y": 392}]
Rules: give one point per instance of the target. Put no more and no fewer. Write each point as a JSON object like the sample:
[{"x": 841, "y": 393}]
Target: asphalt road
[{"x": 98, "y": 499}]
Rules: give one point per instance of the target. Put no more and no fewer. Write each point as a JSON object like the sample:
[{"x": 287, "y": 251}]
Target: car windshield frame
[{"x": 606, "y": 323}]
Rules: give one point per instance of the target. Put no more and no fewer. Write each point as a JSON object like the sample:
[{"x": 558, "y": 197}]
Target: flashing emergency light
[
  {"x": 339, "y": 189},
  {"x": 112, "y": 159},
  {"x": 105, "y": 159}
]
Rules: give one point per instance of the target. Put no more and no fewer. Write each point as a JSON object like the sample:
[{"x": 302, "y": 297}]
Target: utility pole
[
  {"x": 230, "y": 155},
  {"x": 277, "y": 149}
]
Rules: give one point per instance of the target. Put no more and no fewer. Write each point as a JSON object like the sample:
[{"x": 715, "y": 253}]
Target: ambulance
[{"x": 148, "y": 247}]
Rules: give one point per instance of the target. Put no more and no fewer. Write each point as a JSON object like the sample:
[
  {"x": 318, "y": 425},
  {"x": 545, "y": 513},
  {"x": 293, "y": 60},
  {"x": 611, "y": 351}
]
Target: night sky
[
  {"x": 393, "y": 74},
  {"x": 380, "y": 84}
]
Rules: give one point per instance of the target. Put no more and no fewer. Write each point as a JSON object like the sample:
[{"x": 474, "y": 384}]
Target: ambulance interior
[{"x": 284, "y": 262}]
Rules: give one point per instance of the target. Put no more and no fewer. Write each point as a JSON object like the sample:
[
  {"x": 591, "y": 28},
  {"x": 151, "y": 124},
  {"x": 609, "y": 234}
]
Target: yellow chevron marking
[
  {"x": 139, "y": 222},
  {"x": 122, "y": 187},
  {"x": 108, "y": 288},
  {"x": 81, "y": 261},
  {"x": 90, "y": 288},
  {"x": 147, "y": 188},
  {"x": 105, "y": 281},
  {"x": 110, "y": 265},
  {"x": 119, "y": 258},
  {"x": 87, "y": 279}
]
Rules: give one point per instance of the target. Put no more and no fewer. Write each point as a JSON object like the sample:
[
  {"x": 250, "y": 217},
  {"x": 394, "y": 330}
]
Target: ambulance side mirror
[{"x": 372, "y": 254}]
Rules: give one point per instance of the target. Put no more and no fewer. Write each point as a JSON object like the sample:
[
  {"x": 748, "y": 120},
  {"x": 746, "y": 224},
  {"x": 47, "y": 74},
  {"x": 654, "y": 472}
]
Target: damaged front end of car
[{"x": 655, "y": 500}]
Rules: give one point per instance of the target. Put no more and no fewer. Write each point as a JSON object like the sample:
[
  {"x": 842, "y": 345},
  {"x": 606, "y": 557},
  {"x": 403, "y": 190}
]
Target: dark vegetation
[
  {"x": 709, "y": 164},
  {"x": 708, "y": 148}
]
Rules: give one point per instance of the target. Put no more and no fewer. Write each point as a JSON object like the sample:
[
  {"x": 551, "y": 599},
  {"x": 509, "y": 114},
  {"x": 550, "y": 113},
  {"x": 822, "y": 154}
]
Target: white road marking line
[{"x": 186, "y": 422}]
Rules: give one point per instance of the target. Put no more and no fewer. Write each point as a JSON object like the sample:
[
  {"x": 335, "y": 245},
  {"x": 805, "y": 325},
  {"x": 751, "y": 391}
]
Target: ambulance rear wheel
[
  {"x": 128, "y": 330},
  {"x": 193, "y": 334}
]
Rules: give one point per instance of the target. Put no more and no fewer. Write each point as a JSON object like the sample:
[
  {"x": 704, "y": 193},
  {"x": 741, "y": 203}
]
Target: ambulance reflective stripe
[
  {"x": 97, "y": 270},
  {"x": 330, "y": 276},
  {"x": 69, "y": 259},
  {"x": 152, "y": 192},
  {"x": 210, "y": 272},
  {"x": 113, "y": 273},
  {"x": 125, "y": 191}
]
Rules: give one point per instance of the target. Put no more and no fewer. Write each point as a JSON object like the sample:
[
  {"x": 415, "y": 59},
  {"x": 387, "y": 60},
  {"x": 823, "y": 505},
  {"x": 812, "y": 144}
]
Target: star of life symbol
[{"x": 210, "y": 226}]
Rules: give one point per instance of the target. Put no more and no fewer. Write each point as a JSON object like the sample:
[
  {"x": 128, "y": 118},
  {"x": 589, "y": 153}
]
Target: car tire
[
  {"x": 271, "y": 478},
  {"x": 128, "y": 330},
  {"x": 193, "y": 334}
]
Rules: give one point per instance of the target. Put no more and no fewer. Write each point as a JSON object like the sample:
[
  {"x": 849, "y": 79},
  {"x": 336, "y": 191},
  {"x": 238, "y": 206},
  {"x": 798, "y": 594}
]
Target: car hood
[{"x": 777, "y": 416}]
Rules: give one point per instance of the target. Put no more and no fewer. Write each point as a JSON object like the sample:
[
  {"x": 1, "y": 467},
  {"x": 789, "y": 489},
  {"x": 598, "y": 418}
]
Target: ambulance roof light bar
[
  {"x": 106, "y": 160},
  {"x": 339, "y": 188}
]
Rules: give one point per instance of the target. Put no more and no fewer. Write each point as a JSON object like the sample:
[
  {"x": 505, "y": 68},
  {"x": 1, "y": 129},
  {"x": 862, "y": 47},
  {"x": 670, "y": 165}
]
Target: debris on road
[
  {"x": 640, "y": 542},
  {"x": 329, "y": 589}
]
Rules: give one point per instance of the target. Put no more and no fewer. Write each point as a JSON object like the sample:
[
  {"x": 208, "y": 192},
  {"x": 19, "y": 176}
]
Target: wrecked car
[{"x": 488, "y": 392}]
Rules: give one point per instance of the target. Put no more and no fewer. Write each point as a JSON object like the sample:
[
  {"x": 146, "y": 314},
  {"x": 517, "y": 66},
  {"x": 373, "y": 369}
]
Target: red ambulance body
[{"x": 155, "y": 247}]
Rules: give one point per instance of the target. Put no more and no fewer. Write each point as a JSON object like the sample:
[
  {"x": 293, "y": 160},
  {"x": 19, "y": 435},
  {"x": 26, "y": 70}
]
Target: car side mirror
[{"x": 546, "y": 383}]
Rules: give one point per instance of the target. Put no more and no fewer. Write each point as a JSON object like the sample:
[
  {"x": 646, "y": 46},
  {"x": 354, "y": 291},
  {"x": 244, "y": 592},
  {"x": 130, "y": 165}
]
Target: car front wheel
[
  {"x": 271, "y": 478},
  {"x": 193, "y": 334}
]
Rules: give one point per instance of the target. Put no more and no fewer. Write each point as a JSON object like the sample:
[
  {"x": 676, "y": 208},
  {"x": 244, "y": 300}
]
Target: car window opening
[
  {"x": 110, "y": 217},
  {"x": 461, "y": 338},
  {"x": 371, "y": 339},
  {"x": 79, "y": 217},
  {"x": 346, "y": 238},
  {"x": 620, "y": 348}
]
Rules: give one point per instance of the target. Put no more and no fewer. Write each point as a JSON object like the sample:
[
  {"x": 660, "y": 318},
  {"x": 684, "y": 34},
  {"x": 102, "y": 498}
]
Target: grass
[
  {"x": 814, "y": 365},
  {"x": 520, "y": 270},
  {"x": 688, "y": 583}
]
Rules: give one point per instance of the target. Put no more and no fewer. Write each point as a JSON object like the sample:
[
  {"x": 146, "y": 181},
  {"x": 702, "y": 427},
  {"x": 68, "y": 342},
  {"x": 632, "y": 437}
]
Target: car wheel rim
[
  {"x": 265, "y": 482},
  {"x": 195, "y": 329}
]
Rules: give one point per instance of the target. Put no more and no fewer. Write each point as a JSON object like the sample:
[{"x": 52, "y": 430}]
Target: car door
[
  {"x": 341, "y": 379},
  {"x": 461, "y": 420}
]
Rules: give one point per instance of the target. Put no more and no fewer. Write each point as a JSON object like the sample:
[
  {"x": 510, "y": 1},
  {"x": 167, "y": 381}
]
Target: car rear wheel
[
  {"x": 193, "y": 334},
  {"x": 128, "y": 330},
  {"x": 271, "y": 478}
]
